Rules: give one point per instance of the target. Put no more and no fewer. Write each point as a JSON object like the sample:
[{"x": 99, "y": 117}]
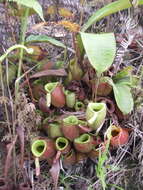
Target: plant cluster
[
  {"x": 68, "y": 137},
  {"x": 81, "y": 103}
]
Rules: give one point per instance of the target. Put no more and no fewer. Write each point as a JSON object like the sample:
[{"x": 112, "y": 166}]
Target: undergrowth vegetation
[{"x": 71, "y": 101}]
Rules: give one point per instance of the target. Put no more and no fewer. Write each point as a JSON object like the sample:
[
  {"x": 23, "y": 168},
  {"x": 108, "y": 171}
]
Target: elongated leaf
[
  {"x": 123, "y": 97},
  {"x": 108, "y": 10},
  {"x": 80, "y": 48},
  {"x": 34, "y": 4},
  {"x": 44, "y": 38},
  {"x": 100, "y": 50}
]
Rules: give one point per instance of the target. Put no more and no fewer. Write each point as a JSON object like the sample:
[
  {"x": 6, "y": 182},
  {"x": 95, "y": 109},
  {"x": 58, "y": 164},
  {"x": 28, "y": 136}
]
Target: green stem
[
  {"x": 9, "y": 50},
  {"x": 96, "y": 87},
  {"x": 108, "y": 10},
  {"x": 23, "y": 34}
]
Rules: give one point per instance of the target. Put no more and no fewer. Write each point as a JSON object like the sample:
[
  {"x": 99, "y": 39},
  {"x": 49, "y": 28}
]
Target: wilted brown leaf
[
  {"x": 55, "y": 171},
  {"x": 37, "y": 26},
  {"x": 20, "y": 132},
  {"x": 9, "y": 157},
  {"x": 50, "y": 72}
]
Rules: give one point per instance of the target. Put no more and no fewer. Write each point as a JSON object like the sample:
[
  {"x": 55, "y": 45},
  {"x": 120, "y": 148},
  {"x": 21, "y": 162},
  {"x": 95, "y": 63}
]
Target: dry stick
[
  {"x": 29, "y": 86},
  {"x": 6, "y": 110},
  {"x": 82, "y": 12},
  {"x": 10, "y": 96},
  {"x": 22, "y": 76}
]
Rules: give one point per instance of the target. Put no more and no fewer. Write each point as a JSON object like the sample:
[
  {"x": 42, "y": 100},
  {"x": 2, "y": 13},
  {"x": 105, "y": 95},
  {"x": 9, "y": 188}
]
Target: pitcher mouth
[
  {"x": 61, "y": 143},
  {"x": 71, "y": 120},
  {"x": 96, "y": 107},
  {"x": 50, "y": 86},
  {"x": 112, "y": 131},
  {"x": 85, "y": 138},
  {"x": 95, "y": 114},
  {"x": 79, "y": 105},
  {"x": 115, "y": 132},
  {"x": 39, "y": 147}
]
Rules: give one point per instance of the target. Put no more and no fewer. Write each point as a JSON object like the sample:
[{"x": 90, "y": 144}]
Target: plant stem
[
  {"x": 96, "y": 87},
  {"x": 23, "y": 34}
]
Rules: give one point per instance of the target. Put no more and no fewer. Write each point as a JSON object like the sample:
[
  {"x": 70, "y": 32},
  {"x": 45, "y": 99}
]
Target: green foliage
[
  {"x": 108, "y": 10},
  {"x": 66, "y": 180},
  {"x": 100, "y": 50},
  {"x": 9, "y": 50},
  {"x": 100, "y": 168},
  {"x": 12, "y": 70},
  {"x": 123, "y": 97},
  {"x": 44, "y": 38},
  {"x": 124, "y": 76},
  {"x": 80, "y": 47},
  {"x": 33, "y": 4},
  {"x": 123, "y": 82},
  {"x": 122, "y": 91}
]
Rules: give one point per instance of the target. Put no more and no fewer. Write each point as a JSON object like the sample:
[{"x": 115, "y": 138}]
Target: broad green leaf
[
  {"x": 108, "y": 10},
  {"x": 44, "y": 38},
  {"x": 34, "y": 4},
  {"x": 100, "y": 50},
  {"x": 123, "y": 97}
]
